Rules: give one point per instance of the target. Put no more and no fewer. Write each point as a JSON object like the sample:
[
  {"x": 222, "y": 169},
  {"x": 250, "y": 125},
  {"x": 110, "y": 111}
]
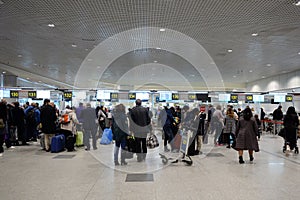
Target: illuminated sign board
[
  {"x": 234, "y": 98},
  {"x": 288, "y": 98},
  {"x": 132, "y": 96},
  {"x": 14, "y": 94},
  {"x": 68, "y": 96},
  {"x": 175, "y": 96},
  {"x": 191, "y": 96},
  {"x": 32, "y": 94},
  {"x": 114, "y": 96},
  {"x": 249, "y": 98}
]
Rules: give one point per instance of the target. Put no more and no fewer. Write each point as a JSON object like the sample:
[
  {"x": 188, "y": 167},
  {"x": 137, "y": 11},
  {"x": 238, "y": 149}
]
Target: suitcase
[
  {"x": 177, "y": 141},
  {"x": 57, "y": 143},
  {"x": 70, "y": 141},
  {"x": 79, "y": 139}
]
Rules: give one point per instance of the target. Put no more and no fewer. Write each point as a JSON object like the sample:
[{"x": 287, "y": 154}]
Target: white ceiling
[{"x": 117, "y": 40}]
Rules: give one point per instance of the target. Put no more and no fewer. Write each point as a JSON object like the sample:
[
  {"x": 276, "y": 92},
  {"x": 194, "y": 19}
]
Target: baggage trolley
[{"x": 183, "y": 156}]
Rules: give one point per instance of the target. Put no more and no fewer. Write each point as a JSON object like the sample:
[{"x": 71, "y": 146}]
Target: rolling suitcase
[
  {"x": 70, "y": 141},
  {"x": 79, "y": 139},
  {"x": 57, "y": 143}
]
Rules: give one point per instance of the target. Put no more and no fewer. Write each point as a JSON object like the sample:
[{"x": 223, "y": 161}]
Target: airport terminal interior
[{"x": 199, "y": 57}]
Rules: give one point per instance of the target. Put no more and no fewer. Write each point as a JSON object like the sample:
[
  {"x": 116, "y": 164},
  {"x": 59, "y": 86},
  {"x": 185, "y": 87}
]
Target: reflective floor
[{"x": 30, "y": 173}]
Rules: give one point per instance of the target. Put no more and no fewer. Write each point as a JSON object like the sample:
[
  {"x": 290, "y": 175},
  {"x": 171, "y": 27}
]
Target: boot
[
  {"x": 251, "y": 158},
  {"x": 241, "y": 161}
]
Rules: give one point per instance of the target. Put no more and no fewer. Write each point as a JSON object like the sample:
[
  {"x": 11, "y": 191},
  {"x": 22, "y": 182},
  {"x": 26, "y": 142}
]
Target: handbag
[{"x": 152, "y": 141}]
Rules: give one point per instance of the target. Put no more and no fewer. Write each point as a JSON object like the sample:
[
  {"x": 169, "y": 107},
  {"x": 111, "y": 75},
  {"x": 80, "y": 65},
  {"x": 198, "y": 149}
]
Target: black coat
[
  {"x": 140, "y": 122},
  {"x": 48, "y": 119}
]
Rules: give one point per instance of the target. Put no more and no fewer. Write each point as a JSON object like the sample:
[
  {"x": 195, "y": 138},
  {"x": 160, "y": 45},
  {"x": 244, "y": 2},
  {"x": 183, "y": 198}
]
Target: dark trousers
[
  {"x": 22, "y": 136},
  {"x": 1, "y": 142},
  {"x": 141, "y": 147},
  {"x": 168, "y": 135},
  {"x": 86, "y": 138},
  {"x": 31, "y": 131}
]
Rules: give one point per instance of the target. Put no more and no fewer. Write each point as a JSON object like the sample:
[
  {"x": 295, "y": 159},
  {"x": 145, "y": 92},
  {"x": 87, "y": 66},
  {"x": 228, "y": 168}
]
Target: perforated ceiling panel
[{"x": 28, "y": 47}]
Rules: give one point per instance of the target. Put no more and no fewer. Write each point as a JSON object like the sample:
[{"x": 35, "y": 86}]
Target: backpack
[
  {"x": 30, "y": 118},
  {"x": 65, "y": 119}
]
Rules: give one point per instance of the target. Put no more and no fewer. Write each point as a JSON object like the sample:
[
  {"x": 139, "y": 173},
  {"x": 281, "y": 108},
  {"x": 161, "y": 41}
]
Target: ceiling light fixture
[
  {"x": 155, "y": 61},
  {"x": 158, "y": 48},
  {"x": 254, "y": 34},
  {"x": 51, "y": 25},
  {"x": 263, "y": 77},
  {"x": 269, "y": 65},
  {"x": 234, "y": 76},
  {"x": 74, "y": 45},
  {"x": 4, "y": 72},
  {"x": 298, "y": 53},
  {"x": 229, "y": 50},
  {"x": 20, "y": 56},
  {"x": 298, "y": 3},
  {"x": 250, "y": 71},
  {"x": 162, "y": 29}
]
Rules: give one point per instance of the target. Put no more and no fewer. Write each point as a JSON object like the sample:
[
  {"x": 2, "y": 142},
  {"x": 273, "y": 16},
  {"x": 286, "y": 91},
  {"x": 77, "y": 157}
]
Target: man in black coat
[
  {"x": 48, "y": 119},
  {"x": 277, "y": 116},
  {"x": 140, "y": 125}
]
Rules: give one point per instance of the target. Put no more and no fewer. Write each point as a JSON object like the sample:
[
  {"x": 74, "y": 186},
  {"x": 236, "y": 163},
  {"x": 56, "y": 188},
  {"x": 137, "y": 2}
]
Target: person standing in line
[
  {"x": 18, "y": 121},
  {"x": 277, "y": 117},
  {"x": 291, "y": 124},
  {"x": 120, "y": 132},
  {"x": 246, "y": 132},
  {"x": 217, "y": 123},
  {"x": 32, "y": 117},
  {"x": 262, "y": 118},
  {"x": 48, "y": 121},
  {"x": 200, "y": 132},
  {"x": 78, "y": 111},
  {"x": 89, "y": 125},
  {"x": 229, "y": 125},
  {"x": 140, "y": 125},
  {"x": 3, "y": 124}
]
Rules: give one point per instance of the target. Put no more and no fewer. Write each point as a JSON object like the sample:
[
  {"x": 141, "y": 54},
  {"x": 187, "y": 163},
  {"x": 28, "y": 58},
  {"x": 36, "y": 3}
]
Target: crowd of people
[{"x": 238, "y": 129}]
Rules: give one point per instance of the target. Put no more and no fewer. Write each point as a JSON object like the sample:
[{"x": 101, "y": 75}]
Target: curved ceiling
[{"x": 234, "y": 42}]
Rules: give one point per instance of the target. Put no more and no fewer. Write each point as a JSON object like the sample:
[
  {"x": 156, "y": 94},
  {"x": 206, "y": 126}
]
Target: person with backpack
[{"x": 32, "y": 118}]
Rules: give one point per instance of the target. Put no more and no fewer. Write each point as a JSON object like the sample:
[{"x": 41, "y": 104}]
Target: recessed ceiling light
[
  {"x": 162, "y": 29},
  {"x": 234, "y": 76},
  {"x": 229, "y": 50},
  {"x": 86, "y": 49},
  {"x": 27, "y": 78},
  {"x": 250, "y": 71},
  {"x": 263, "y": 77},
  {"x": 254, "y": 34},
  {"x": 269, "y": 65},
  {"x": 98, "y": 67},
  {"x": 158, "y": 48},
  {"x": 34, "y": 64},
  {"x": 51, "y": 25},
  {"x": 297, "y": 4},
  {"x": 155, "y": 61},
  {"x": 3, "y": 72},
  {"x": 74, "y": 45},
  {"x": 298, "y": 53},
  {"x": 20, "y": 56}
]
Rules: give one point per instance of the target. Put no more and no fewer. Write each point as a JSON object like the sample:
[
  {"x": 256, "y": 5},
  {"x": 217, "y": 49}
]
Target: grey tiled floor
[{"x": 29, "y": 173}]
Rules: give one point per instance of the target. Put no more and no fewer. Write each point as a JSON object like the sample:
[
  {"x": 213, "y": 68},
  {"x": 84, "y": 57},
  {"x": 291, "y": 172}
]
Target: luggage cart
[{"x": 183, "y": 156}]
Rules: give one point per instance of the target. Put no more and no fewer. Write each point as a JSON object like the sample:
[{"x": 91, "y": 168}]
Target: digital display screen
[
  {"x": 43, "y": 94},
  {"x": 165, "y": 96},
  {"x": 224, "y": 97},
  {"x": 258, "y": 98},
  {"x": 101, "y": 94},
  {"x": 279, "y": 98},
  {"x": 142, "y": 95}
]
